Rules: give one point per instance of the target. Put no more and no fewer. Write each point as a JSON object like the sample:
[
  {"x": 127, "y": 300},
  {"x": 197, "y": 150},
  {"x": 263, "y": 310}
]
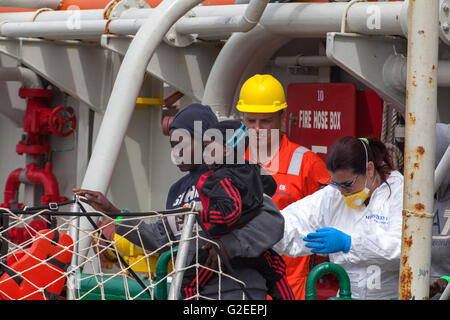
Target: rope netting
[{"x": 47, "y": 254}]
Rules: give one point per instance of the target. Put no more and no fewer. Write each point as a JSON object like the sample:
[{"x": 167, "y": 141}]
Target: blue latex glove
[{"x": 328, "y": 240}]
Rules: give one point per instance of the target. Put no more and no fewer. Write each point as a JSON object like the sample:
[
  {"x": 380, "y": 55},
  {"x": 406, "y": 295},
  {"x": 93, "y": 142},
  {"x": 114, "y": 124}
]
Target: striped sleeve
[{"x": 225, "y": 205}]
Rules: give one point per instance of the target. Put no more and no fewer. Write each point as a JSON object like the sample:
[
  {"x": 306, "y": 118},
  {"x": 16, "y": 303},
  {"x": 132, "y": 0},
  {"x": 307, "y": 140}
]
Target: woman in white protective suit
[{"x": 356, "y": 219}]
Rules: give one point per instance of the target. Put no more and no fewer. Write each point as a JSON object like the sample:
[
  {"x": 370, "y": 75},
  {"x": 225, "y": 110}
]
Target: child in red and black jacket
[{"x": 231, "y": 194}]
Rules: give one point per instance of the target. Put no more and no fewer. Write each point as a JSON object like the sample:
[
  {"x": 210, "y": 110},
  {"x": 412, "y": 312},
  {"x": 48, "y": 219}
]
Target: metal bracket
[
  {"x": 364, "y": 58},
  {"x": 78, "y": 69},
  {"x": 124, "y": 5},
  {"x": 53, "y": 206},
  {"x": 186, "y": 69},
  {"x": 176, "y": 39},
  {"x": 444, "y": 20}
]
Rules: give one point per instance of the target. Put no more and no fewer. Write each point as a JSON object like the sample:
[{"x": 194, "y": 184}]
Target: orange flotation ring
[{"x": 37, "y": 273}]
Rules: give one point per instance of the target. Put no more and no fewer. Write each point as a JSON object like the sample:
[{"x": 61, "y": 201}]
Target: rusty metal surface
[{"x": 420, "y": 122}]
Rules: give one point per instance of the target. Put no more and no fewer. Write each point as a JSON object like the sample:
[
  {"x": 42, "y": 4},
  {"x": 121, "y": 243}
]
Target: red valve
[
  {"x": 39, "y": 122},
  {"x": 19, "y": 235},
  {"x": 62, "y": 121}
]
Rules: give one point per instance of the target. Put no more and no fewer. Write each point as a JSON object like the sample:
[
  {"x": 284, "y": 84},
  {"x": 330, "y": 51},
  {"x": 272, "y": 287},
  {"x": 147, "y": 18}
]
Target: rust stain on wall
[
  {"x": 405, "y": 283},
  {"x": 408, "y": 242},
  {"x": 419, "y": 206},
  {"x": 420, "y": 150},
  {"x": 412, "y": 118}
]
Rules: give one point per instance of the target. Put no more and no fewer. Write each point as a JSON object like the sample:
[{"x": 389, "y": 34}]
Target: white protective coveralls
[{"x": 373, "y": 262}]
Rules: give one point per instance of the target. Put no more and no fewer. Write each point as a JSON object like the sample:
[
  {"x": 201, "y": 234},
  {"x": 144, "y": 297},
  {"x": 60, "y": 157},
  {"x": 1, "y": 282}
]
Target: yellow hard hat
[{"x": 261, "y": 93}]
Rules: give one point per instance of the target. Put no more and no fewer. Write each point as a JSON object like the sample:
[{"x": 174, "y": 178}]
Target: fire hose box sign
[{"x": 320, "y": 113}]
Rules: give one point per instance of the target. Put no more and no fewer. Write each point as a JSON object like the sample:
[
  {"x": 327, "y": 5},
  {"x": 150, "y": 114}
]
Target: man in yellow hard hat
[{"x": 297, "y": 170}]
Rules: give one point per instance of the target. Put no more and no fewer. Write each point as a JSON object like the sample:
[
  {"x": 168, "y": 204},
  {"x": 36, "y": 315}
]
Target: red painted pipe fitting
[
  {"x": 12, "y": 186},
  {"x": 46, "y": 178}
]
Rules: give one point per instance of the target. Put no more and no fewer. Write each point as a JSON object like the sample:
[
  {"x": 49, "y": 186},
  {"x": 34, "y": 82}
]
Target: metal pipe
[
  {"x": 51, "y": 15},
  {"x": 304, "y": 61},
  {"x": 72, "y": 278},
  {"x": 420, "y": 143},
  {"x": 230, "y": 24},
  {"x": 71, "y": 29},
  {"x": 124, "y": 94},
  {"x": 395, "y": 72},
  {"x": 227, "y": 69},
  {"x": 55, "y": 29},
  {"x": 446, "y": 294},
  {"x": 317, "y": 19},
  {"x": 442, "y": 169},
  {"x": 312, "y": 19},
  {"x": 230, "y": 65},
  {"x": 295, "y": 19},
  {"x": 28, "y": 78},
  {"x": 443, "y": 75},
  {"x": 31, "y": 4},
  {"x": 180, "y": 262},
  {"x": 395, "y": 68}
]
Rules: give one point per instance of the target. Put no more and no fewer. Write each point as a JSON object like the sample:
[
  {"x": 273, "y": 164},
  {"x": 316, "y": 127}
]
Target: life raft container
[{"x": 37, "y": 273}]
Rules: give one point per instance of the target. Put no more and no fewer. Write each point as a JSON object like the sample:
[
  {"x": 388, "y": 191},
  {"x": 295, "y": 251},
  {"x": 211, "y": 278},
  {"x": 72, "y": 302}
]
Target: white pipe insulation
[
  {"x": 28, "y": 78},
  {"x": 442, "y": 169},
  {"x": 395, "y": 72},
  {"x": 304, "y": 61},
  {"x": 295, "y": 19},
  {"x": 31, "y": 4},
  {"x": 225, "y": 24},
  {"x": 227, "y": 71}
]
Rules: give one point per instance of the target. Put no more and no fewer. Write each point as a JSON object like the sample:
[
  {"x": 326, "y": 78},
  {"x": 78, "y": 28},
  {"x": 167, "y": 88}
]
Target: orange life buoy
[{"x": 38, "y": 273}]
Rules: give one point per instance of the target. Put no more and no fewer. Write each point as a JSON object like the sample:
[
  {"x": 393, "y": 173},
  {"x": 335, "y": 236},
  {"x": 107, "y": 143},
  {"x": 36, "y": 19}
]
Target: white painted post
[{"x": 420, "y": 141}]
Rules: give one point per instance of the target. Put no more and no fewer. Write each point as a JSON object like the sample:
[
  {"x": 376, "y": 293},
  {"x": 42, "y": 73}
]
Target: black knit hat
[{"x": 186, "y": 118}]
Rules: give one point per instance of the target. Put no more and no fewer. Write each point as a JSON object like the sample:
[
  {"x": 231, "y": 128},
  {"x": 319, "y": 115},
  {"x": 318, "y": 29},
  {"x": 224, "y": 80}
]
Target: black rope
[
  {"x": 51, "y": 206},
  {"x": 51, "y": 212}
]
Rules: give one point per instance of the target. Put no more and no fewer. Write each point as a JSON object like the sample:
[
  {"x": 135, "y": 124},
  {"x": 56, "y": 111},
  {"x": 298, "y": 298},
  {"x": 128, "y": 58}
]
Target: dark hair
[
  {"x": 349, "y": 153},
  {"x": 238, "y": 128},
  {"x": 239, "y": 140}
]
